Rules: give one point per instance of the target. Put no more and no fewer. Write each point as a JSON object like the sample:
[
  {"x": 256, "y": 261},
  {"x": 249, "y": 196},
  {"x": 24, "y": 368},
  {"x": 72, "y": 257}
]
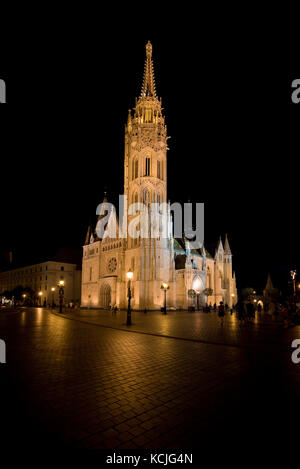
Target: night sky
[{"x": 234, "y": 139}]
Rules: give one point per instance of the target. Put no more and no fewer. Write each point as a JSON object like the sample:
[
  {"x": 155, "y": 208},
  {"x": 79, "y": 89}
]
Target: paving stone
[{"x": 74, "y": 384}]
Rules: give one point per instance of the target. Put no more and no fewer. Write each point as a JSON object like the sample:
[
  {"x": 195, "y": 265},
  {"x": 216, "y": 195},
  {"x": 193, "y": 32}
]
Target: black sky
[{"x": 234, "y": 138}]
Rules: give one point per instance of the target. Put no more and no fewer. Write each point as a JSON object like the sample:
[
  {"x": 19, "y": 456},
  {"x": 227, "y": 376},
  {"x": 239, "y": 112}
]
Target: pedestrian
[
  {"x": 240, "y": 308},
  {"x": 285, "y": 316},
  {"x": 250, "y": 311},
  {"x": 272, "y": 310},
  {"x": 221, "y": 312}
]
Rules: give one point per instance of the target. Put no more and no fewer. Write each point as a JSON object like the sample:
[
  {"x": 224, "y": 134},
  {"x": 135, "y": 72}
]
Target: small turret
[
  {"x": 227, "y": 249},
  {"x": 220, "y": 250}
]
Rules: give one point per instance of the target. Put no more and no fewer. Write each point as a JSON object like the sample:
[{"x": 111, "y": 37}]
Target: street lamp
[
  {"x": 165, "y": 287},
  {"x": 129, "y": 275},
  {"x": 24, "y": 297},
  {"x": 61, "y": 285},
  {"x": 293, "y": 275},
  {"x": 40, "y": 295},
  {"x": 53, "y": 290}
]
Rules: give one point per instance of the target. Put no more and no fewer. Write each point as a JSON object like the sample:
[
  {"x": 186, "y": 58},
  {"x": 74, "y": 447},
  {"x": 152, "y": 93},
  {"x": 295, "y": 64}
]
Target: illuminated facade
[
  {"x": 41, "y": 278},
  {"x": 188, "y": 272}
]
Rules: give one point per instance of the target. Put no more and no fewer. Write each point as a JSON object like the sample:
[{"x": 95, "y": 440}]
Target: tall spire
[
  {"x": 227, "y": 249},
  {"x": 148, "y": 88},
  {"x": 269, "y": 285}
]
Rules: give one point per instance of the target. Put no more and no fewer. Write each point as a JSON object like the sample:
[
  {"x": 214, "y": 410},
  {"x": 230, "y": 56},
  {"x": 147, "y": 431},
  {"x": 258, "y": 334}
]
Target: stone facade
[
  {"x": 42, "y": 278},
  {"x": 189, "y": 272}
]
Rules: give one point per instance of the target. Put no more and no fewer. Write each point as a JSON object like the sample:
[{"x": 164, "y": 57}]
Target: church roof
[{"x": 180, "y": 245}]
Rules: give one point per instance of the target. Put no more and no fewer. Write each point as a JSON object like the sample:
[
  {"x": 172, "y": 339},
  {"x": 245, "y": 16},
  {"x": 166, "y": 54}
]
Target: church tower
[
  {"x": 145, "y": 178},
  {"x": 145, "y": 181}
]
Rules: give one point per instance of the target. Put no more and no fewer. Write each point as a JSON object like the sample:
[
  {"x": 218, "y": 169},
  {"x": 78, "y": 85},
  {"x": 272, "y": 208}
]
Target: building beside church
[
  {"x": 193, "y": 275},
  {"x": 42, "y": 277}
]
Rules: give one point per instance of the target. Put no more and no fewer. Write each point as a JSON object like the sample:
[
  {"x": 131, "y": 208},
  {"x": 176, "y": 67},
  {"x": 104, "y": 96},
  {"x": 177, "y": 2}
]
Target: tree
[{"x": 208, "y": 291}]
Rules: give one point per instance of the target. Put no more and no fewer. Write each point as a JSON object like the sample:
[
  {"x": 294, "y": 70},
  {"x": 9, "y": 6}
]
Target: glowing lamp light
[
  {"x": 40, "y": 293},
  {"x": 24, "y": 296},
  {"x": 165, "y": 286},
  {"x": 61, "y": 283},
  {"x": 293, "y": 274},
  {"x": 52, "y": 289},
  {"x": 129, "y": 274},
  {"x": 197, "y": 285}
]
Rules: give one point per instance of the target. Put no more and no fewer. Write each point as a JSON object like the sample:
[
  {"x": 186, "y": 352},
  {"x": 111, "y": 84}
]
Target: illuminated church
[{"x": 194, "y": 277}]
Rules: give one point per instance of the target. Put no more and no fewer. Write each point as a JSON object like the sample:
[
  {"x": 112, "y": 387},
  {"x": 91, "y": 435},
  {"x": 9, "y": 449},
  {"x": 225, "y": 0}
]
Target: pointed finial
[{"x": 149, "y": 49}]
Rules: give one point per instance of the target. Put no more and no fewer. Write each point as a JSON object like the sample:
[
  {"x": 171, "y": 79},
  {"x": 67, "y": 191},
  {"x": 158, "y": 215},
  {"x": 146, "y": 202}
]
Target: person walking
[
  {"x": 250, "y": 311},
  {"x": 221, "y": 312},
  {"x": 240, "y": 309},
  {"x": 285, "y": 316}
]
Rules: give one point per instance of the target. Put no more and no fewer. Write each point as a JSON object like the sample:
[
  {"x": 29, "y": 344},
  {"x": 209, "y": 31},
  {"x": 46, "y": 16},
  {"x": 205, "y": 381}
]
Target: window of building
[
  {"x": 158, "y": 169},
  {"x": 62, "y": 268},
  {"x": 147, "y": 167},
  {"x": 91, "y": 273}
]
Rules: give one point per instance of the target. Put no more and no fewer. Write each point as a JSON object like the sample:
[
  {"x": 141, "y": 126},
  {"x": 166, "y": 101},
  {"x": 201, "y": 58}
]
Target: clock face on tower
[{"x": 112, "y": 264}]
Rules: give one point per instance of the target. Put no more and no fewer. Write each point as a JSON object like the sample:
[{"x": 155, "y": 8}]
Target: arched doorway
[
  {"x": 198, "y": 288},
  {"x": 105, "y": 296}
]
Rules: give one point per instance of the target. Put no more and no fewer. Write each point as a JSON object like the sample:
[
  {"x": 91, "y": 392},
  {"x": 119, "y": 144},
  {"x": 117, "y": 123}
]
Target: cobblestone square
[{"x": 84, "y": 381}]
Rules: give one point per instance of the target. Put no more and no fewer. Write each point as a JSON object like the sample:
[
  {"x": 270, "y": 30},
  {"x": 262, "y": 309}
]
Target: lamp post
[
  {"x": 24, "y": 298},
  {"x": 232, "y": 299},
  {"x": 165, "y": 287},
  {"x": 293, "y": 275},
  {"x": 40, "y": 295},
  {"x": 129, "y": 276},
  {"x": 61, "y": 285},
  {"x": 53, "y": 290}
]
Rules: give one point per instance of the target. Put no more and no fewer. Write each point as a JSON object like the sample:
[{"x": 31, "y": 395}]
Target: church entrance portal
[{"x": 105, "y": 296}]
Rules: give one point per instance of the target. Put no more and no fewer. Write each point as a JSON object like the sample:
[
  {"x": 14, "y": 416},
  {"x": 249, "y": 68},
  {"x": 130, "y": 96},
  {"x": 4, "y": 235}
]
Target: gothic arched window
[
  {"x": 158, "y": 169},
  {"x": 147, "y": 166},
  {"x": 135, "y": 168}
]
